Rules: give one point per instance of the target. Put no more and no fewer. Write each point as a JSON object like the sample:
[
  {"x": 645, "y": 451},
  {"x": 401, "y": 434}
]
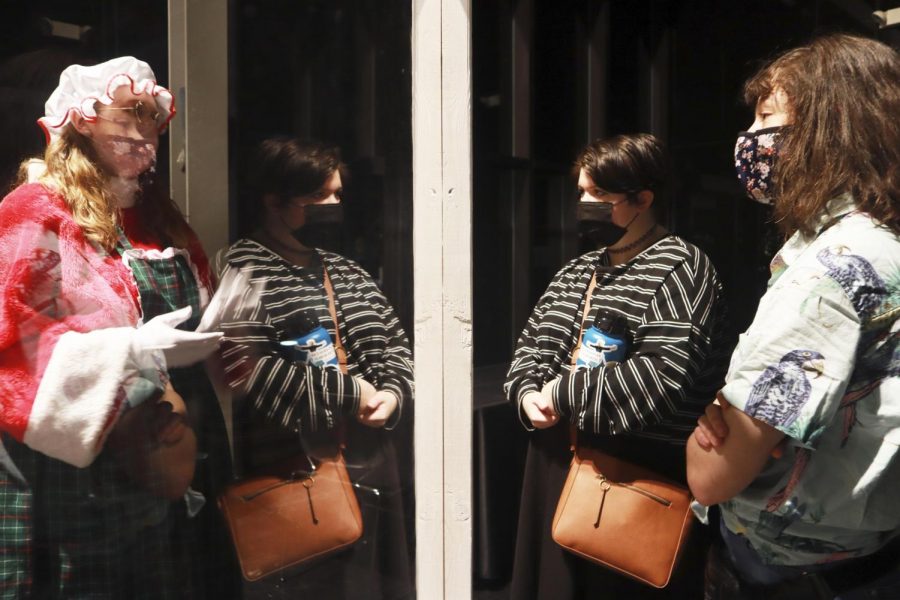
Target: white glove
[{"x": 181, "y": 348}]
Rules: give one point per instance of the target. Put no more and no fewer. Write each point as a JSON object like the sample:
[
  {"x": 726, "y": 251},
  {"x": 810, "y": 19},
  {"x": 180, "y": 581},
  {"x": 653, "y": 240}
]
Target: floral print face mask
[{"x": 754, "y": 157}]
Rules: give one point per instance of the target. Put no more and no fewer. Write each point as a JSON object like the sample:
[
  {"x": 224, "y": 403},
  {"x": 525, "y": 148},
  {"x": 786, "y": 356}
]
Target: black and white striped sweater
[
  {"x": 671, "y": 297},
  {"x": 293, "y": 395}
]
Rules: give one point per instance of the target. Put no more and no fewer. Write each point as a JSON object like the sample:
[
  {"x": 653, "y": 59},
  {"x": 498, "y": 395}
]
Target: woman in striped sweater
[
  {"x": 286, "y": 406},
  {"x": 667, "y": 294}
]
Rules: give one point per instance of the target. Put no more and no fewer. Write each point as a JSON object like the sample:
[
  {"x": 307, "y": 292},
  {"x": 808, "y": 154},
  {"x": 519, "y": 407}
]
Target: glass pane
[
  {"x": 110, "y": 493},
  {"x": 316, "y": 84}
]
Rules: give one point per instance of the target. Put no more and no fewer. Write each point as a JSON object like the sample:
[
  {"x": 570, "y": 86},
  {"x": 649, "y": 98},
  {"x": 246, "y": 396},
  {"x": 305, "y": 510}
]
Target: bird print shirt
[{"x": 820, "y": 363}]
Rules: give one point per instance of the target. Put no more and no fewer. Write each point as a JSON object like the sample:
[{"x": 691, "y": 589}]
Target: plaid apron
[
  {"x": 91, "y": 533},
  {"x": 201, "y": 541},
  {"x": 15, "y": 532}
]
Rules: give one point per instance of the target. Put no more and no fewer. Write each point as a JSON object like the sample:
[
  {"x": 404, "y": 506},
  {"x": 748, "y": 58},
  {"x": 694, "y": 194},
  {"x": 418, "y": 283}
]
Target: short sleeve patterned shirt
[{"x": 821, "y": 364}]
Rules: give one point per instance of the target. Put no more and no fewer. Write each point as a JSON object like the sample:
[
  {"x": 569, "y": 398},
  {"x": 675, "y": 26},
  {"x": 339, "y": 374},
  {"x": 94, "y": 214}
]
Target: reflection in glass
[
  {"x": 319, "y": 365},
  {"x": 336, "y": 72}
]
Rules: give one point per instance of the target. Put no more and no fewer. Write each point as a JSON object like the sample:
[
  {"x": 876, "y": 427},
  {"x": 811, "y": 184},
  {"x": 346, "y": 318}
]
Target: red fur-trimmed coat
[{"x": 68, "y": 313}]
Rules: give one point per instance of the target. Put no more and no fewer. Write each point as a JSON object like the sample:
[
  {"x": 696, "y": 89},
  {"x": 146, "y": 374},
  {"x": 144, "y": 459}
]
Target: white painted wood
[
  {"x": 442, "y": 188},
  {"x": 176, "y": 84},
  {"x": 887, "y": 18},
  {"x": 456, "y": 133},
  {"x": 428, "y": 285},
  {"x": 198, "y": 70}
]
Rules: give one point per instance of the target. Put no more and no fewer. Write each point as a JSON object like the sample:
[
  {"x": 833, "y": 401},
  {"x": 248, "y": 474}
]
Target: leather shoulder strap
[
  {"x": 339, "y": 350},
  {"x": 573, "y": 431},
  {"x": 338, "y": 344},
  {"x": 584, "y": 314}
]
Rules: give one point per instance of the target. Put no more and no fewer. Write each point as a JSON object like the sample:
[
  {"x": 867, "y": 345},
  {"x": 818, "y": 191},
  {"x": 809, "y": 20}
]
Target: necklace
[{"x": 636, "y": 243}]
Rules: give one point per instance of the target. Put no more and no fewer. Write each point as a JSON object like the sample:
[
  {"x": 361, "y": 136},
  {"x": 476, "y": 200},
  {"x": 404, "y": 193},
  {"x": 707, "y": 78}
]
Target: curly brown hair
[{"x": 844, "y": 134}]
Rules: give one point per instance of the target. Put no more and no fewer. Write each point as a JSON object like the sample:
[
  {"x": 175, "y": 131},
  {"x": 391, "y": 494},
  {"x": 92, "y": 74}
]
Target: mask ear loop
[
  {"x": 628, "y": 199},
  {"x": 638, "y": 241},
  {"x": 281, "y": 208}
]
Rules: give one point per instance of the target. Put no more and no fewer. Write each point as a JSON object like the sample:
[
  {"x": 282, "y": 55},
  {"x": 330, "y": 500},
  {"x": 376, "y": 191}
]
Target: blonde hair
[{"x": 73, "y": 171}]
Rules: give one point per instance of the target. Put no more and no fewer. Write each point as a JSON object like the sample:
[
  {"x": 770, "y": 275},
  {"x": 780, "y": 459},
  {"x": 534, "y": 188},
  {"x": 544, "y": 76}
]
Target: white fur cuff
[{"x": 79, "y": 395}]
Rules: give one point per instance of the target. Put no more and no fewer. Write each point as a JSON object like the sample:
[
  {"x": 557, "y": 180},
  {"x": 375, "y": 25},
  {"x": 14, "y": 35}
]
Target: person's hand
[
  {"x": 378, "y": 409},
  {"x": 538, "y": 407},
  {"x": 366, "y": 391},
  {"x": 181, "y": 348},
  {"x": 712, "y": 429},
  {"x": 155, "y": 445},
  {"x": 169, "y": 422}
]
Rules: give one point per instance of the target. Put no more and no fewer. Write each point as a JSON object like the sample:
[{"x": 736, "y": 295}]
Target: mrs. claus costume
[{"x": 72, "y": 360}]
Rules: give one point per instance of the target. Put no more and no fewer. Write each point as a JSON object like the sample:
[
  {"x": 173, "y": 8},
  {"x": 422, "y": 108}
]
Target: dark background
[
  {"x": 337, "y": 71},
  {"x": 549, "y": 77},
  {"x": 32, "y": 56}
]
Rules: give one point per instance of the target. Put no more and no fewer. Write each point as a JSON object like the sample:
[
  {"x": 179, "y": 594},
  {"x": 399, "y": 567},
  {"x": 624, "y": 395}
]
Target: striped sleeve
[
  {"x": 544, "y": 342},
  {"x": 526, "y": 373},
  {"x": 372, "y": 331},
  {"x": 658, "y": 383},
  {"x": 290, "y": 394}
]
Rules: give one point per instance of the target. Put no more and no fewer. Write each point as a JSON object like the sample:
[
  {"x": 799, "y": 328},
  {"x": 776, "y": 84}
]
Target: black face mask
[
  {"x": 595, "y": 224},
  {"x": 322, "y": 227}
]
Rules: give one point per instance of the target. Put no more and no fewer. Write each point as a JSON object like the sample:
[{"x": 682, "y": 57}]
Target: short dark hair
[
  {"x": 625, "y": 164},
  {"x": 289, "y": 167},
  {"x": 843, "y": 96}
]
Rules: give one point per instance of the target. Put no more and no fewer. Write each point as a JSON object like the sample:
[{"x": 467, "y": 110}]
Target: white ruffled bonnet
[{"x": 80, "y": 87}]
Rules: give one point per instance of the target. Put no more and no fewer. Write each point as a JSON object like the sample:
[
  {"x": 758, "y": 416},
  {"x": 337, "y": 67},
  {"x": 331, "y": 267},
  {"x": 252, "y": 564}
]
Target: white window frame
[
  {"x": 442, "y": 247},
  {"x": 442, "y": 242},
  {"x": 198, "y": 135}
]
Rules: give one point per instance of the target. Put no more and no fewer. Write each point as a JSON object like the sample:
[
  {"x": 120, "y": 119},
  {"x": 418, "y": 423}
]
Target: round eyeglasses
[{"x": 143, "y": 115}]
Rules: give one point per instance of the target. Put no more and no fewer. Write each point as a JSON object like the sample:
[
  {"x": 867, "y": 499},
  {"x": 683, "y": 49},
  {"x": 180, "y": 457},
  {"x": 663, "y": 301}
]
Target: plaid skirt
[{"x": 83, "y": 533}]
